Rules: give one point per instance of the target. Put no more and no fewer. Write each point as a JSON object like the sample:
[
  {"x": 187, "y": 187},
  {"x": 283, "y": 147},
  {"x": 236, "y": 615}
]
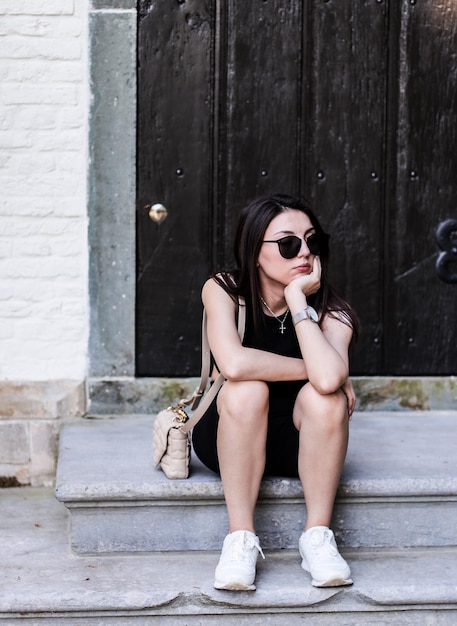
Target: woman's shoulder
[
  {"x": 223, "y": 280},
  {"x": 341, "y": 311},
  {"x": 216, "y": 288}
]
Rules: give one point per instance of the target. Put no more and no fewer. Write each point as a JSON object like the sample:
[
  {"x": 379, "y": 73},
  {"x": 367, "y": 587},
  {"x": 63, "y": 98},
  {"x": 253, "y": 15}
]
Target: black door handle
[{"x": 446, "y": 238}]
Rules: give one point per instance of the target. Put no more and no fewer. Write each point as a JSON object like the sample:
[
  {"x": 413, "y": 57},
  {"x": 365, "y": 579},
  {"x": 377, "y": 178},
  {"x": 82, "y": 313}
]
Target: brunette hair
[{"x": 244, "y": 280}]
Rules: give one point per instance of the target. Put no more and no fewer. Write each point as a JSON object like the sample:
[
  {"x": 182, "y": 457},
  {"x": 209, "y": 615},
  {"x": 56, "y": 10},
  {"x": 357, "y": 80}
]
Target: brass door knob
[{"x": 158, "y": 213}]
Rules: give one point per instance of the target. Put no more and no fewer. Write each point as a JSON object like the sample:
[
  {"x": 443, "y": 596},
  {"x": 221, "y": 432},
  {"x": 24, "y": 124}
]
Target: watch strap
[{"x": 304, "y": 315}]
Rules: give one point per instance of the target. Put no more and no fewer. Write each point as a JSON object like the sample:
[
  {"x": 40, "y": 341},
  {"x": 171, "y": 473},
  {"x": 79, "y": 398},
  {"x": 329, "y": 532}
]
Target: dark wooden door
[{"x": 350, "y": 104}]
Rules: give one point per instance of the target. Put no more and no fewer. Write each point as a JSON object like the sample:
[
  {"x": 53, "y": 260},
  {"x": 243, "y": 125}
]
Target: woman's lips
[{"x": 304, "y": 269}]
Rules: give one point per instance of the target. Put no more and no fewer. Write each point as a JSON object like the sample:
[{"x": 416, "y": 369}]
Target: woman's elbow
[
  {"x": 327, "y": 385},
  {"x": 232, "y": 370}
]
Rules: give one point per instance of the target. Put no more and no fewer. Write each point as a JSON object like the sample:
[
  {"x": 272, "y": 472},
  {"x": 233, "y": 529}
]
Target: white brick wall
[{"x": 44, "y": 95}]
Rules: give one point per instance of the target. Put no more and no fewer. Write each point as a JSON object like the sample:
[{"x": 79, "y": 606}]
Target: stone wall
[
  {"x": 44, "y": 325},
  {"x": 32, "y": 414}
]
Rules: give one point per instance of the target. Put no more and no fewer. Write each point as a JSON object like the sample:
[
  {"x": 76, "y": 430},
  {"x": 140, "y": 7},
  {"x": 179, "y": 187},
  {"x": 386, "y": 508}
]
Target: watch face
[{"x": 312, "y": 313}]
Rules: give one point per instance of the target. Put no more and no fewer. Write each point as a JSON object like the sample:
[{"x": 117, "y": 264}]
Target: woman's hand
[
  {"x": 303, "y": 285},
  {"x": 348, "y": 390}
]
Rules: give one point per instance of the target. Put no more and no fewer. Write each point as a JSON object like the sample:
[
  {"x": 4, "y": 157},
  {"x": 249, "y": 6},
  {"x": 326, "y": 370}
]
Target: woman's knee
[
  {"x": 246, "y": 400},
  {"x": 328, "y": 410}
]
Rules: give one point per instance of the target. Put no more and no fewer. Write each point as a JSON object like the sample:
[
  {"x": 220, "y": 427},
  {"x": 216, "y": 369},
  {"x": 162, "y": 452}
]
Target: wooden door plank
[
  {"x": 422, "y": 327},
  {"x": 346, "y": 163},
  {"x": 176, "y": 46},
  {"x": 260, "y": 112}
]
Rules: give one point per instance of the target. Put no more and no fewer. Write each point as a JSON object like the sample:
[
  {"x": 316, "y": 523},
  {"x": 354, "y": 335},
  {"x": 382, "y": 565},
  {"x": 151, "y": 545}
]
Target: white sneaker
[
  {"x": 236, "y": 568},
  {"x": 320, "y": 557}
]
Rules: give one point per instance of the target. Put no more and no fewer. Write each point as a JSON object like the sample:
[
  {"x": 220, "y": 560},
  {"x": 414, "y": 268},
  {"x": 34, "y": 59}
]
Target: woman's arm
[
  {"x": 324, "y": 348},
  {"x": 235, "y": 361},
  {"x": 325, "y": 352}
]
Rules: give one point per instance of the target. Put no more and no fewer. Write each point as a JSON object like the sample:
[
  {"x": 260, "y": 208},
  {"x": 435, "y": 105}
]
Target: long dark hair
[{"x": 244, "y": 280}]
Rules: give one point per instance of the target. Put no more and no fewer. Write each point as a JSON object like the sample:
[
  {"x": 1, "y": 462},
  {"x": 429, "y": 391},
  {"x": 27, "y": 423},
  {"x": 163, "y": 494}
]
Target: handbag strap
[{"x": 206, "y": 362}]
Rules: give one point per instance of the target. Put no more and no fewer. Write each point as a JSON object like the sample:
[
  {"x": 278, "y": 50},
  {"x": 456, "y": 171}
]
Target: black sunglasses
[{"x": 290, "y": 246}]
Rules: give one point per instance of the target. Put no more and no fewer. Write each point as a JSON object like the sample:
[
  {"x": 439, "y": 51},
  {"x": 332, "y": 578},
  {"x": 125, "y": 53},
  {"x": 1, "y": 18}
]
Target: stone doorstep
[
  {"x": 41, "y": 581},
  {"x": 399, "y": 488},
  {"x": 121, "y": 395}
]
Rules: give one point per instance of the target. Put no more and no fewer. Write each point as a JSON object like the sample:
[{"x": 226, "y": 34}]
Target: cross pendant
[{"x": 282, "y": 328}]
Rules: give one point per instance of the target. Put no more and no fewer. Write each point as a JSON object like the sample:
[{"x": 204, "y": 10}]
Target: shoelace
[
  {"x": 323, "y": 541},
  {"x": 244, "y": 541}
]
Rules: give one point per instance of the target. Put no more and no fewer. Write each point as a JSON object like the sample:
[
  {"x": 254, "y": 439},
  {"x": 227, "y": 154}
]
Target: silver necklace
[{"x": 282, "y": 328}]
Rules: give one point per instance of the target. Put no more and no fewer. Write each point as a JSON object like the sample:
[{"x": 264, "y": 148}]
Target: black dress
[{"x": 282, "y": 437}]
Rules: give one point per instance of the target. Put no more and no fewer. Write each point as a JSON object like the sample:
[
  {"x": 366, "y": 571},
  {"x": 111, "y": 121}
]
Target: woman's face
[{"x": 272, "y": 266}]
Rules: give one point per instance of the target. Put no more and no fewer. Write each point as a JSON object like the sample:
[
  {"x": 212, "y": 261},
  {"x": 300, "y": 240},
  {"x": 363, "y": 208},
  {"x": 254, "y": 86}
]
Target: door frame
[{"x": 112, "y": 187}]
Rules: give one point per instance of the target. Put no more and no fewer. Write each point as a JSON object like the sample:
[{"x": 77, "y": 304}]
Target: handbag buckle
[{"x": 180, "y": 416}]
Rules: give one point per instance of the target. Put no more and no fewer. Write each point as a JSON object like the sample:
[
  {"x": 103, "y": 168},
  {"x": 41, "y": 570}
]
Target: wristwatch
[{"x": 308, "y": 313}]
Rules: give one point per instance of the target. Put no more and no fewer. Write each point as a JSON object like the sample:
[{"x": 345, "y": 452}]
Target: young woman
[{"x": 285, "y": 406}]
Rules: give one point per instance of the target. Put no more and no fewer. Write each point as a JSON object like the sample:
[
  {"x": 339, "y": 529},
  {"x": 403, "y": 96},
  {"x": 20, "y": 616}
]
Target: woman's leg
[
  {"x": 322, "y": 422},
  {"x": 241, "y": 442}
]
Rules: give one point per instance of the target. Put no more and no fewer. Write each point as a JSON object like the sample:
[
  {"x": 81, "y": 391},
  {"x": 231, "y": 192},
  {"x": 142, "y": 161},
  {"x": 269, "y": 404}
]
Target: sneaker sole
[
  {"x": 336, "y": 580},
  {"x": 234, "y": 585}
]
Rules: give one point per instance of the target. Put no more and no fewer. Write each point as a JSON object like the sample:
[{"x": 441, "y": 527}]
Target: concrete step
[
  {"x": 41, "y": 582},
  {"x": 399, "y": 489}
]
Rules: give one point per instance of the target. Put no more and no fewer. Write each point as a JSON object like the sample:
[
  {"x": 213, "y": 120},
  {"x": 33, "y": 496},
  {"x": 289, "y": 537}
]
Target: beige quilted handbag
[
  {"x": 171, "y": 440},
  {"x": 171, "y": 446}
]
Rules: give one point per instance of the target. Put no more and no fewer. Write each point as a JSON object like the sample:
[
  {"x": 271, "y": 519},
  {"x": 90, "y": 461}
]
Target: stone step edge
[
  {"x": 282, "y": 587},
  {"x": 387, "y": 490}
]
